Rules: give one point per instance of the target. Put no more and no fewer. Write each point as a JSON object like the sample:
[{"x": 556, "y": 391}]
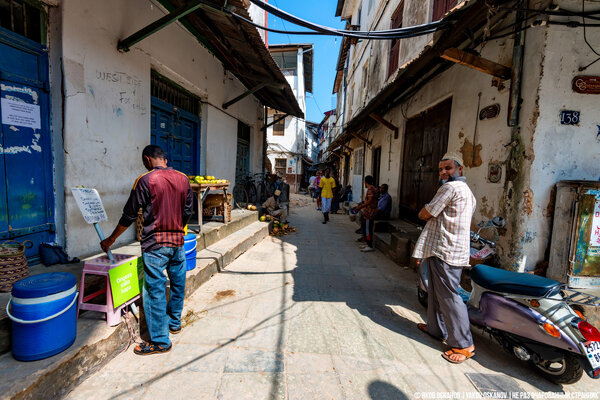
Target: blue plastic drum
[
  {"x": 189, "y": 245},
  {"x": 43, "y": 311}
]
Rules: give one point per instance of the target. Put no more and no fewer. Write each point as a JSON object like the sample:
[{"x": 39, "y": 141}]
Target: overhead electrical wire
[
  {"x": 273, "y": 29},
  {"x": 584, "y": 24},
  {"x": 398, "y": 33}
]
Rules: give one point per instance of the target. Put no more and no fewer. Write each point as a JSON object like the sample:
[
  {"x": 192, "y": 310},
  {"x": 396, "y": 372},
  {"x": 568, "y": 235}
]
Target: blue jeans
[
  {"x": 326, "y": 204},
  {"x": 160, "y": 314}
]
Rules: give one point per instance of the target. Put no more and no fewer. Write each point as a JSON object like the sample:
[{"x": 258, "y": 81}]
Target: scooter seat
[{"x": 499, "y": 280}]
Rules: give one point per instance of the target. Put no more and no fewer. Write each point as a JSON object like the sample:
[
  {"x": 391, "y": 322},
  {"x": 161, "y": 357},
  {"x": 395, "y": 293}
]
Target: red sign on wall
[{"x": 586, "y": 84}]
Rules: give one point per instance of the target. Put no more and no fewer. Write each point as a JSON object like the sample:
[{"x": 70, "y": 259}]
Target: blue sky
[{"x": 326, "y": 48}]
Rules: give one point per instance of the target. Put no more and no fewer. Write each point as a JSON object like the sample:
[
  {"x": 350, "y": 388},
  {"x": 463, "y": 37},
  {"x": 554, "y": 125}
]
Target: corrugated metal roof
[{"x": 240, "y": 48}]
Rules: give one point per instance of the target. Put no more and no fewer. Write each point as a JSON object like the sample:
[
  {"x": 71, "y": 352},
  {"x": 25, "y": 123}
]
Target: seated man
[
  {"x": 347, "y": 195},
  {"x": 271, "y": 207},
  {"x": 384, "y": 208},
  {"x": 384, "y": 204}
]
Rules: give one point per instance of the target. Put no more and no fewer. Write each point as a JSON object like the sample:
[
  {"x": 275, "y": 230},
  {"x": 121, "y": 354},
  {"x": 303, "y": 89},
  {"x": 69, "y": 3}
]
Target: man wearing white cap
[
  {"x": 272, "y": 207},
  {"x": 444, "y": 246}
]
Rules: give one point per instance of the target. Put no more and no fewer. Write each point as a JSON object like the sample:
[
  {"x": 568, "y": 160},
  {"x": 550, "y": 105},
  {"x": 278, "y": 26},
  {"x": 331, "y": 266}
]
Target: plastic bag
[{"x": 51, "y": 253}]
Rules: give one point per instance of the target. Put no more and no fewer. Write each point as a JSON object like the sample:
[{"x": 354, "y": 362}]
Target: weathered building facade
[
  {"x": 286, "y": 135},
  {"x": 512, "y": 109},
  {"x": 94, "y": 82}
]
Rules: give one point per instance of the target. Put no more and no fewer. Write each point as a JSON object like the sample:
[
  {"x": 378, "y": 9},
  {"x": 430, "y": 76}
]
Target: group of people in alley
[
  {"x": 444, "y": 245},
  {"x": 166, "y": 199},
  {"x": 377, "y": 204}
]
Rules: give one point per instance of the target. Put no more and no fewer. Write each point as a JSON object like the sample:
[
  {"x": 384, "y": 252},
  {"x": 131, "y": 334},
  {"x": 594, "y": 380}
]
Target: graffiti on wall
[{"x": 128, "y": 91}]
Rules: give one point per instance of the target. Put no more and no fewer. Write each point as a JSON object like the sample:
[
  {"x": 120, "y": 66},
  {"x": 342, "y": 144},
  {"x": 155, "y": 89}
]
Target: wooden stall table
[{"x": 201, "y": 190}]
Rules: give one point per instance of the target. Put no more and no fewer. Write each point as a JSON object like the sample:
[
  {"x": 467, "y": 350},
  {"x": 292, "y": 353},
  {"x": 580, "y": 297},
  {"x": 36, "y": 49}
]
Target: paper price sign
[{"x": 90, "y": 205}]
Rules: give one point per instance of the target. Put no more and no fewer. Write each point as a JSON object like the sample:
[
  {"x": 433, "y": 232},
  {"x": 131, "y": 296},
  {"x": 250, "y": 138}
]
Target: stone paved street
[{"x": 308, "y": 316}]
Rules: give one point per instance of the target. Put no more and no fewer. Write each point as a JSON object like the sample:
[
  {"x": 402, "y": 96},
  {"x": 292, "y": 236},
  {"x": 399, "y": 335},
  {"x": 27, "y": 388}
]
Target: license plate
[{"x": 592, "y": 351}]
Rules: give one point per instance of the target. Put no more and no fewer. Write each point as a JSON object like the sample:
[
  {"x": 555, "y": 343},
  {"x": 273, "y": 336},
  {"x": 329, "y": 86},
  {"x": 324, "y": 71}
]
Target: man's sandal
[
  {"x": 145, "y": 349},
  {"x": 175, "y": 331},
  {"x": 466, "y": 353},
  {"x": 423, "y": 328}
]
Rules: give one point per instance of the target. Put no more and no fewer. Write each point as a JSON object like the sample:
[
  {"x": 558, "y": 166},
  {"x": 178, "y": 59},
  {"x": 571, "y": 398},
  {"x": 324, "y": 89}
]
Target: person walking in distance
[
  {"x": 166, "y": 199},
  {"x": 327, "y": 184},
  {"x": 312, "y": 187},
  {"x": 318, "y": 190},
  {"x": 444, "y": 245},
  {"x": 369, "y": 210}
]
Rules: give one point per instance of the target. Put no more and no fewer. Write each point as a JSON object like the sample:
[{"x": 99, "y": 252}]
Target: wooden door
[
  {"x": 426, "y": 141},
  {"x": 376, "y": 164}
]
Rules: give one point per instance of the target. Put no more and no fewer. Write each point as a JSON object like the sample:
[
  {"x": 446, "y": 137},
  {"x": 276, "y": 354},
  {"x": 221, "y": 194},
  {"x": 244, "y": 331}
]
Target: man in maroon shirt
[{"x": 166, "y": 199}]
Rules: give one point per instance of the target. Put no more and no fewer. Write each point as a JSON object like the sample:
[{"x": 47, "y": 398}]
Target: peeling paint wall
[
  {"x": 368, "y": 60},
  {"x": 481, "y": 142},
  {"x": 107, "y": 104},
  {"x": 562, "y": 152},
  {"x": 547, "y": 151}
]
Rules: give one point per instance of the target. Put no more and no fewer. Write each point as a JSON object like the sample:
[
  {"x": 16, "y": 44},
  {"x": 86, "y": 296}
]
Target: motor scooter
[
  {"x": 531, "y": 317},
  {"x": 482, "y": 252}
]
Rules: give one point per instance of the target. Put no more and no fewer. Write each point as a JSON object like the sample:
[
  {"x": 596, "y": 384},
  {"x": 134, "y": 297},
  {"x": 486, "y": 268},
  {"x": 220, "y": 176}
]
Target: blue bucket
[
  {"x": 189, "y": 245},
  {"x": 43, "y": 311}
]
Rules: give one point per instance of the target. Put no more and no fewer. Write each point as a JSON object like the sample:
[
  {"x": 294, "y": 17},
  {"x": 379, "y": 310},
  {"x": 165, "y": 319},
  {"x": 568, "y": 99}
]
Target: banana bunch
[{"x": 205, "y": 179}]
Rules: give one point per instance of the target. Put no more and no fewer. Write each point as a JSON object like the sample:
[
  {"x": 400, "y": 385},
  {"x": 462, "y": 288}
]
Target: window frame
[
  {"x": 279, "y": 127},
  {"x": 394, "y": 54},
  {"x": 441, "y": 8}
]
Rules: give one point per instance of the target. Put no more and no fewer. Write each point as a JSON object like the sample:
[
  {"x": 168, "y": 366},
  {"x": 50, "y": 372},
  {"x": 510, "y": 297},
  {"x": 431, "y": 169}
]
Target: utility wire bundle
[{"x": 387, "y": 34}]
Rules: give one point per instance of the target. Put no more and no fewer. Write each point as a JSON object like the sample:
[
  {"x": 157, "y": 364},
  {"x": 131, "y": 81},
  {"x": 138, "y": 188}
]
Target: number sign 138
[{"x": 568, "y": 117}]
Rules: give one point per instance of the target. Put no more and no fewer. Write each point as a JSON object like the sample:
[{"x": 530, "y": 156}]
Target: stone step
[
  {"x": 97, "y": 343},
  {"x": 397, "y": 246},
  {"x": 212, "y": 232}
]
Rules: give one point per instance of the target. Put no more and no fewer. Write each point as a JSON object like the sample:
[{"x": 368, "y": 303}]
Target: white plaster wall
[
  {"x": 293, "y": 138},
  {"x": 107, "y": 104},
  {"x": 288, "y": 140},
  {"x": 562, "y": 152},
  {"x": 222, "y": 146}
]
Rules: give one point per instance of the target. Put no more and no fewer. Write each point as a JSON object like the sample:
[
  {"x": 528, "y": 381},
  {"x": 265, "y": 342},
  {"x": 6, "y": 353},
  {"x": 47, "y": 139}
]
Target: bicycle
[
  {"x": 240, "y": 195},
  {"x": 250, "y": 190}
]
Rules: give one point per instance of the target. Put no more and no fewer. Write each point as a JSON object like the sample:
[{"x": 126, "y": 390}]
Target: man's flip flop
[
  {"x": 145, "y": 349},
  {"x": 423, "y": 328},
  {"x": 468, "y": 354}
]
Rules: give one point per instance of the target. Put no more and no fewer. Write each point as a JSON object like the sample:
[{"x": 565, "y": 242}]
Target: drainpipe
[
  {"x": 515, "y": 168},
  {"x": 264, "y": 147}
]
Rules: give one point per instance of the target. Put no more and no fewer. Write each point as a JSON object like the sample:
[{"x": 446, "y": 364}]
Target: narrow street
[{"x": 308, "y": 316}]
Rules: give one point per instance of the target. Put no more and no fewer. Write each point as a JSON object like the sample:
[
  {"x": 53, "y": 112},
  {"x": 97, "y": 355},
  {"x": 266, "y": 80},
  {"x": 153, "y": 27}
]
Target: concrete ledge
[
  {"x": 51, "y": 378},
  {"x": 397, "y": 240},
  {"x": 212, "y": 232},
  {"x": 97, "y": 343}
]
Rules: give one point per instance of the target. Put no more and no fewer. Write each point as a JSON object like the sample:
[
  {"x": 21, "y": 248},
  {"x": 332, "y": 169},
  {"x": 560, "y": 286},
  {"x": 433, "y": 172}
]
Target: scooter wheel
[
  {"x": 422, "y": 296},
  {"x": 566, "y": 371}
]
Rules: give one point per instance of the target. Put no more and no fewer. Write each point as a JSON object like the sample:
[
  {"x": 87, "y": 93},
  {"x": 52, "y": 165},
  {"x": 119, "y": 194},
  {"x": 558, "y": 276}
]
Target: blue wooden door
[
  {"x": 26, "y": 192},
  {"x": 242, "y": 160},
  {"x": 177, "y": 133}
]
